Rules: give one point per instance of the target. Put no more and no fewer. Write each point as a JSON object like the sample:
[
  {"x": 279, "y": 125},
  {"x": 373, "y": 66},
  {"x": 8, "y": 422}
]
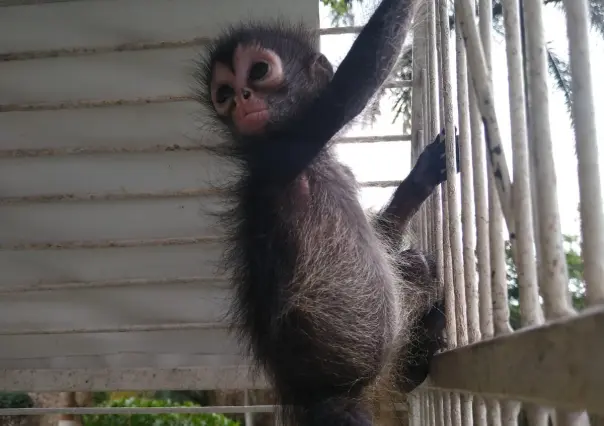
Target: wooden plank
[
  {"x": 124, "y": 174},
  {"x": 115, "y": 379},
  {"x": 122, "y": 127},
  {"x": 97, "y": 24},
  {"x": 100, "y": 223},
  {"x": 162, "y": 349},
  {"x": 139, "y": 128},
  {"x": 39, "y": 267},
  {"x": 136, "y": 76},
  {"x": 111, "y": 307},
  {"x": 557, "y": 364},
  {"x": 47, "y": 223},
  {"x": 147, "y": 127},
  {"x": 82, "y": 175},
  {"x": 108, "y": 76}
]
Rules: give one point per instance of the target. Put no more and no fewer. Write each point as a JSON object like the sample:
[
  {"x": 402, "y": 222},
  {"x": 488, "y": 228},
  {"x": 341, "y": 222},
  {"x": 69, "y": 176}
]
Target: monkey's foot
[{"x": 413, "y": 365}]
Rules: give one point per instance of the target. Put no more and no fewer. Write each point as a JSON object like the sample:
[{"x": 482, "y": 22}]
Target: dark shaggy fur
[{"x": 322, "y": 302}]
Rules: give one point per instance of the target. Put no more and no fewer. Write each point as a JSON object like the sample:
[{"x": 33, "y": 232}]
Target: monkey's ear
[{"x": 320, "y": 67}]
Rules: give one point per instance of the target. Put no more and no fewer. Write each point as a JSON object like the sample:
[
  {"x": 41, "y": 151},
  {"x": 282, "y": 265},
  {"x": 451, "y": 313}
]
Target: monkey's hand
[{"x": 431, "y": 167}]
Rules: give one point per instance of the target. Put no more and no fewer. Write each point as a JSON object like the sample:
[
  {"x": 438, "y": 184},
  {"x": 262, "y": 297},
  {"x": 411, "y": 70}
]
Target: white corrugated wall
[{"x": 105, "y": 244}]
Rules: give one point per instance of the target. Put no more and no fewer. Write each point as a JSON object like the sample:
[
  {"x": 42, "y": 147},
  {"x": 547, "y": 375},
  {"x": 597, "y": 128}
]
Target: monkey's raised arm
[
  {"x": 361, "y": 73},
  {"x": 363, "y": 70}
]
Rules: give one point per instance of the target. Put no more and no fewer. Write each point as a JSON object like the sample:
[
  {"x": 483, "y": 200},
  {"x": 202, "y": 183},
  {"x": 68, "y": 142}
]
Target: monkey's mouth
[{"x": 253, "y": 122}]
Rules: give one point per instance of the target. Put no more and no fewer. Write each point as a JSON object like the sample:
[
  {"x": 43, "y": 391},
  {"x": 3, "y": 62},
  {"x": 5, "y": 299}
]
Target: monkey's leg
[
  {"x": 424, "y": 297},
  {"x": 427, "y": 337},
  {"x": 427, "y": 334},
  {"x": 321, "y": 370}
]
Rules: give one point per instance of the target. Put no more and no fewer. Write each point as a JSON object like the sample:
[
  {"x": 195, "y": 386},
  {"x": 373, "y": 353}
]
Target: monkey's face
[
  {"x": 240, "y": 91},
  {"x": 257, "y": 77}
]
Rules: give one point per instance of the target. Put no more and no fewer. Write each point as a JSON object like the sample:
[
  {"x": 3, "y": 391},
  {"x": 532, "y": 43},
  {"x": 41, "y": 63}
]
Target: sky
[{"x": 391, "y": 160}]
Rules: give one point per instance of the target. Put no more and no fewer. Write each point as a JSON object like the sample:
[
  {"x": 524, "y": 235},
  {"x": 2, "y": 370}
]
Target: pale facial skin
[{"x": 241, "y": 96}]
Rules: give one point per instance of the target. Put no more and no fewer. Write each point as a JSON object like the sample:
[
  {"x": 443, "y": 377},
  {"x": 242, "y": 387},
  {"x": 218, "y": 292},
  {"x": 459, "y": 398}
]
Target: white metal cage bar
[{"x": 533, "y": 225}]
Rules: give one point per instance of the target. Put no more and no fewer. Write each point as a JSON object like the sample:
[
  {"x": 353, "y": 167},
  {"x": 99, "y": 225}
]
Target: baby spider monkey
[{"x": 325, "y": 297}]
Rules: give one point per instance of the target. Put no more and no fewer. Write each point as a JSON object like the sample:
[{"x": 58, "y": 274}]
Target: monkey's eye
[
  {"x": 259, "y": 70},
  {"x": 224, "y": 93}
]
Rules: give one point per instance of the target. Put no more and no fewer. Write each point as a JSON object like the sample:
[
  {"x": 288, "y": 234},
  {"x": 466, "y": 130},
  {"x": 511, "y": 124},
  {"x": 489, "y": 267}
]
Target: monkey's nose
[{"x": 246, "y": 93}]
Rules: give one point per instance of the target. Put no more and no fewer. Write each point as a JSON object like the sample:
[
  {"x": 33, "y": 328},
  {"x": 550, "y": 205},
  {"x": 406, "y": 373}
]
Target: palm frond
[
  {"x": 596, "y": 11},
  {"x": 402, "y": 103},
  {"x": 340, "y": 11},
  {"x": 560, "y": 70}
]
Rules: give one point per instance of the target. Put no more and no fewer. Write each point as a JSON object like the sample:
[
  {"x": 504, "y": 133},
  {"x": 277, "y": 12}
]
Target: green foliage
[
  {"x": 15, "y": 400},
  {"x": 209, "y": 419},
  {"x": 596, "y": 12},
  {"x": 339, "y": 7},
  {"x": 100, "y": 397},
  {"x": 197, "y": 397},
  {"x": 576, "y": 284},
  {"x": 340, "y": 11}
]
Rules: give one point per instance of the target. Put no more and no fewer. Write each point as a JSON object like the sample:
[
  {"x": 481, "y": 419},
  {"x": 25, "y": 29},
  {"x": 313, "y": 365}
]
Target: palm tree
[{"x": 558, "y": 68}]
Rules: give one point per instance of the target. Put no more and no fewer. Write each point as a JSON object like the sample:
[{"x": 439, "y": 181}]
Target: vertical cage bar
[
  {"x": 509, "y": 413},
  {"x": 494, "y": 412},
  {"x": 433, "y": 88},
  {"x": 418, "y": 104},
  {"x": 496, "y": 243},
  {"x": 467, "y": 193},
  {"x": 421, "y": 143},
  {"x": 456, "y": 413},
  {"x": 438, "y": 407},
  {"x": 483, "y": 88},
  {"x": 426, "y": 410},
  {"x": 447, "y": 407},
  {"x": 530, "y": 308},
  {"x": 456, "y": 321},
  {"x": 590, "y": 189},
  {"x": 448, "y": 278},
  {"x": 248, "y": 416},
  {"x": 480, "y": 411},
  {"x": 454, "y": 215},
  {"x": 498, "y": 277},
  {"x": 436, "y": 119},
  {"x": 414, "y": 403},
  {"x": 431, "y": 411},
  {"x": 479, "y": 175},
  {"x": 554, "y": 279},
  {"x": 467, "y": 416},
  {"x": 499, "y": 287}
]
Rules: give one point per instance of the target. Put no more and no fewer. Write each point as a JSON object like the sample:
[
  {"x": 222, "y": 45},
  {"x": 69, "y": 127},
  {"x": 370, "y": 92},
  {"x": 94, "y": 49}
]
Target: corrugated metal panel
[{"x": 106, "y": 247}]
